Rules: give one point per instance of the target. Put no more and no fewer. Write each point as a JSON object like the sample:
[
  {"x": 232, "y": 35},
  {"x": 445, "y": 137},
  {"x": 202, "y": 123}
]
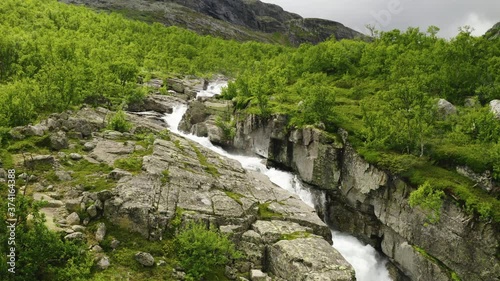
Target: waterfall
[{"x": 364, "y": 258}]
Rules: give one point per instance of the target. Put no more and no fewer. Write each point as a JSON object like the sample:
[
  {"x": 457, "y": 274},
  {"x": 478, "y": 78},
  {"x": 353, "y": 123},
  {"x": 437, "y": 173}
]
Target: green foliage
[
  {"x": 92, "y": 177},
  {"x": 235, "y": 196},
  {"x": 118, "y": 122},
  {"x": 295, "y": 235},
  {"x": 267, "y": 214},
  {"x": 203, "y": 251},
  {"x": 40, "y": 253},
  {"x": 131, "y": 164},
  {"x": 429, "y": 199},
  {"x": 208, "y": 167}
]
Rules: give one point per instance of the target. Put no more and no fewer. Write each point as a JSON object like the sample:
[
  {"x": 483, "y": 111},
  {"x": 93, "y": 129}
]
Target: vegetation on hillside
[
  {"x": 55, "y": 57},
  {"x": 385, "y": 93}
]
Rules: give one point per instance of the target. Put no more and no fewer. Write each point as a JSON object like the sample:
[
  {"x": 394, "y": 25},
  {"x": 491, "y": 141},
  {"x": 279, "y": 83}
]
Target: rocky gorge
[
  {"x": 146, "y": 184},
  {"x": 178, "y": 178},
  {"x": 368, "y": 202}
]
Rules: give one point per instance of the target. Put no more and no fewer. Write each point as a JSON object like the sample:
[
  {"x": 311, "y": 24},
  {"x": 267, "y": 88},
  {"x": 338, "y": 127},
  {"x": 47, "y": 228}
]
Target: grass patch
[
  {"x": 35, "y": 144},
  {"x": 295, "y": 235},
  {"x": 208, "y": 167},
  {"x": 235, "y": 196},
  {"x": 93, "y": 177},
  {"x": 473, "y": 199},
  {"x": 179, "y": 146},
  {"x": 267, "y": 214},
  {"x": 132, "y": 164},
  {"x": 123, "y": 264}
]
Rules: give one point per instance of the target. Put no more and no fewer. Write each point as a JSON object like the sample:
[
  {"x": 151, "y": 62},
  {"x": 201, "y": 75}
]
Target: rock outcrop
[
  {"x": 232, "y": 19},
  {"x": 201, "y": 186}
]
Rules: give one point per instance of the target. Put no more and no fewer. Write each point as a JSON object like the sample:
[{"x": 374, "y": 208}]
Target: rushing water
[{"x": 364, "y": 258}]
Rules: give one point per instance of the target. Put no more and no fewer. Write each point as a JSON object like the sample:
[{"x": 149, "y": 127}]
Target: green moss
[
  {"x": 93, "y": 177},
  {"x": 267, "y": 214},
  {"x": 31, "y": 144},
  {"x": 123, "y": 264},
  {"x": 295, "y": 235},
  {"x": 179, "y": 146},
  {"x": 208, "y": 167},
  {"x": 235, "y": 196},
  {"x": 451, "y": 274}
]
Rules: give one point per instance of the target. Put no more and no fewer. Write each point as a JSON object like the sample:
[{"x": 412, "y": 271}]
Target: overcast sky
[{"x": 448, "y": 15}]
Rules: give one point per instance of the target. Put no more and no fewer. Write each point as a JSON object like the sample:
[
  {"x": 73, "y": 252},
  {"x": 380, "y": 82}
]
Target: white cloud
[{"x": 448, "y": 15}]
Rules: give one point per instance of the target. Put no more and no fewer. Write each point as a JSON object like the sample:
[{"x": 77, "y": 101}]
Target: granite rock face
[
  {"x": 373, "y": 205},
  {"x": 308, "y": 259}
]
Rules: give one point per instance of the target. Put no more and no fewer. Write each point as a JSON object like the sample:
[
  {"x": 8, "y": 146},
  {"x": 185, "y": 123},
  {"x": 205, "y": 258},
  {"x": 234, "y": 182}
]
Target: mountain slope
[
  {"x": 231, "y": 19},
  {"x": 494, "y": 32}
]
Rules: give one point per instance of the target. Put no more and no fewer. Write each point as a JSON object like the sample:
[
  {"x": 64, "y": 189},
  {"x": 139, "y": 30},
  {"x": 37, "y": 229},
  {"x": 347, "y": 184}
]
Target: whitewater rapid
[{"x": 364, "y": 258}]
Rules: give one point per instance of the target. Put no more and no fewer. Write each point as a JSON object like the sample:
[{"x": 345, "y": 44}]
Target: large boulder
[
  {"x": 446, "y": 108},
  {"x": 145, "y": 259},
  {"x": 58, "y": 140},
  {"x": 308, "y": 259},
  {"x": 495, "y": 108},
  {"x": 39, "y": 161},
  {"x": 73, "y": 219}
]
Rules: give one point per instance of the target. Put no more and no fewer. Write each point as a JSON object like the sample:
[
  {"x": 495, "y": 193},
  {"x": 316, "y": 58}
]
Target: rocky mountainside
[
  {"x": 494, "y": 32},
  {"x": 230, "y": 19}
]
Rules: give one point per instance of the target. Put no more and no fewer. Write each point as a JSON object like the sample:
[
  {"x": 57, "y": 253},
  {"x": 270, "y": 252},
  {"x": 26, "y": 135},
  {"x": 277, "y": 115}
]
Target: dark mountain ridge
[{"x": 231, "y": 19}]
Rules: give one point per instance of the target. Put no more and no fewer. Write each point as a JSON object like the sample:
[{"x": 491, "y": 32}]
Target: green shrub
[
  {"x": 118, "y": 122},
  {"x": 203, "y": 252},
  {"x": 131, "y": 164},
  {"x": 429, "y": 199},
  {"x": 40, "y": 253}
]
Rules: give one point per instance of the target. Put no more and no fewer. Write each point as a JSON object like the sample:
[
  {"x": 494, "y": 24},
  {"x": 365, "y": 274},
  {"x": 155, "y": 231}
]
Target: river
[{"x": 365, "y": 260}]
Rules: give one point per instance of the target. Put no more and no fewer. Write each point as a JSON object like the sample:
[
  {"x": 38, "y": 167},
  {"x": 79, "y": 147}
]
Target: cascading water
[{"x": 363, "y": 258}]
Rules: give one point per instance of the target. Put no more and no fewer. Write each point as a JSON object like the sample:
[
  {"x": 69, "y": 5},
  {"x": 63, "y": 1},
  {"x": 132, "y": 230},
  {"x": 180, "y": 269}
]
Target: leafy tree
[{"x": 40, "y": 253}]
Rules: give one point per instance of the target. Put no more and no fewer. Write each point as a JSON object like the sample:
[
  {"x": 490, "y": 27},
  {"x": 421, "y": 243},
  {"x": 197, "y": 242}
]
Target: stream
[{"x": 365, "y": 260}]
